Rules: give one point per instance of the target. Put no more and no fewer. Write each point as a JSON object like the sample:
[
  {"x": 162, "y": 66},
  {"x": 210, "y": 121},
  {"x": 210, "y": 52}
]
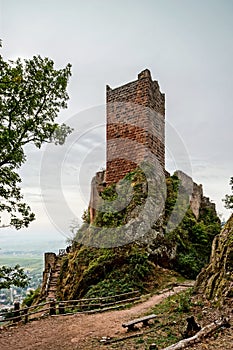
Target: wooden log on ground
[
  {"x": 204, "y": 332},
  {"x": 130, "y": 325}
]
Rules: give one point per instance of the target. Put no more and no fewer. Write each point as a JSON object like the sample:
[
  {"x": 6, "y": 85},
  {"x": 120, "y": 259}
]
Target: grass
[{"x": 172, "y": 314}]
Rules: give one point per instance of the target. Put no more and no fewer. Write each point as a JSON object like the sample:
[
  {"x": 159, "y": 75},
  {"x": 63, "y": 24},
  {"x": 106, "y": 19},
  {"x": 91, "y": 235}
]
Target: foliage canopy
[
  {"x": 13, "y": 276},
  {"x": 32, "y": 92}
]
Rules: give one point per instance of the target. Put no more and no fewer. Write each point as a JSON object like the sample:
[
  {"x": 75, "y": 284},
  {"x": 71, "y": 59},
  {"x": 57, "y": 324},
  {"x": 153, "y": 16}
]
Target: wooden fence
[{"x": 67, "y": 307}]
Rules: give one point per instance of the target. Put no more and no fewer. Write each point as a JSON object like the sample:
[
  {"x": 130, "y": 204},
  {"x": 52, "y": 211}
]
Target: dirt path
[{"x": 80, "y": 331}]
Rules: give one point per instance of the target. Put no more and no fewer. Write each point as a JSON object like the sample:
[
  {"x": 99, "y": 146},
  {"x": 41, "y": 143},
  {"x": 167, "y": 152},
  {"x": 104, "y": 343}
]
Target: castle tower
[{"x": 135, "y": 126}]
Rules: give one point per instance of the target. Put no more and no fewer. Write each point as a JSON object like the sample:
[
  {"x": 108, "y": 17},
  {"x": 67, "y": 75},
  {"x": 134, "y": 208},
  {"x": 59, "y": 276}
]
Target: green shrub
[{"x": 31, "y": 297}]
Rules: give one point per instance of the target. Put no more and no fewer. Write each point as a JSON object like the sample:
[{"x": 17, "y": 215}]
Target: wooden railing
[{"x": 66, "y": 307}]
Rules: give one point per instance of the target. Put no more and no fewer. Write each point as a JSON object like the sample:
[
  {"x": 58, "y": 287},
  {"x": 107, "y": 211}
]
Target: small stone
[{"x": 104, "y": 339}]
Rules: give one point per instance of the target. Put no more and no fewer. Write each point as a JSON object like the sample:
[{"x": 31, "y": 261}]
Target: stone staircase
[{"x": 53, "y": 279}]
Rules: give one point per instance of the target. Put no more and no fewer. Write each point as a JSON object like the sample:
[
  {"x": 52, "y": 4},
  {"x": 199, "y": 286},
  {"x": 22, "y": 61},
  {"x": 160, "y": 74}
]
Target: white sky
[{"x": 186, "y": 44}]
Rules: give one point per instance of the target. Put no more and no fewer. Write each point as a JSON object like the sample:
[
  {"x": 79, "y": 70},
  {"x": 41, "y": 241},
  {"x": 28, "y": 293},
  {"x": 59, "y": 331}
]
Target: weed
[
  {"x": 184, "y": 302},
  {"x": 140, "y": 341}
]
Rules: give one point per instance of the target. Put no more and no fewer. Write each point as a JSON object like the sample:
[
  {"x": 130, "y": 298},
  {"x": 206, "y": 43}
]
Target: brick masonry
[{"x": 135, "y": 126}]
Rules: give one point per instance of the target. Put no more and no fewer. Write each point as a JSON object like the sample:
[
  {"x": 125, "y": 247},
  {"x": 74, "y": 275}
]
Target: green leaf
[{"x": 32, "y": 93}]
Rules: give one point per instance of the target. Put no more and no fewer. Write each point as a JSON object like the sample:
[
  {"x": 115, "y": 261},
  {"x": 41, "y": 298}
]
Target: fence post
[
  {"x": 26, "y": 316},
  {"x": 52, "y": 309},
  {"x": 17, "y": 311},
  {"x": 80, "y": 306},
  {"x": 61, "y": 308}
]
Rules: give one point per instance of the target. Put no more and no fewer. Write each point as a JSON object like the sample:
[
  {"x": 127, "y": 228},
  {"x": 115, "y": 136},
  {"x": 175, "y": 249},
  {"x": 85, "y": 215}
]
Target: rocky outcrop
[
  {"x": 216, "y": 280},
  {"x": 133, "y": 239}
]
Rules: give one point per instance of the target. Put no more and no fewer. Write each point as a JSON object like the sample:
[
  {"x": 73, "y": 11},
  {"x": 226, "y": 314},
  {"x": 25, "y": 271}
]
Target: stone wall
[
  {"x": 198, "y": 201},
  {"x": 135, "y": 126},
  {"x": 49, "y": 261},
  {"x": 49, "y": 266}
]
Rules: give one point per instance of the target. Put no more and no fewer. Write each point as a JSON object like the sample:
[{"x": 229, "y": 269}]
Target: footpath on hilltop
[{"x": 85, "y": 331}]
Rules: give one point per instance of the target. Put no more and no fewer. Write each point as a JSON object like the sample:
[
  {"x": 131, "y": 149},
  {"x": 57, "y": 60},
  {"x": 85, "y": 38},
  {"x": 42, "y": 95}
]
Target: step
[
  {"x": 52, "y": 288},
  {"x": 53, "y": 278}
]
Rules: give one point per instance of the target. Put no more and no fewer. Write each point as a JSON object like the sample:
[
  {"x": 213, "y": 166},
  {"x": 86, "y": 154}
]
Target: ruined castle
[
  {"x": 135, "y": 118},
  {"x": 135, "y": 128}
]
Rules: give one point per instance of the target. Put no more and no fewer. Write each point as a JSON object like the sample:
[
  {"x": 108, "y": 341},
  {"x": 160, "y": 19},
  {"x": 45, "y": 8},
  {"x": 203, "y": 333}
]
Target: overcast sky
[{"x": 188, "y": 47}]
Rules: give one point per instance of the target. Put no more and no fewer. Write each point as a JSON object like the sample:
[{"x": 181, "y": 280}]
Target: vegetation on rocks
[{"x": 90, "y": 270}]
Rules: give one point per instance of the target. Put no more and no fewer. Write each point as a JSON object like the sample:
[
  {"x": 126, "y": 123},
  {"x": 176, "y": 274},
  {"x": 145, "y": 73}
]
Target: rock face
[{"x": 216, "y": 280}]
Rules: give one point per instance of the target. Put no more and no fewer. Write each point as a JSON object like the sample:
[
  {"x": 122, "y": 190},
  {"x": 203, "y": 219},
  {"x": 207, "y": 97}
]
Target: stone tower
[{"x": 135, "y": 126}]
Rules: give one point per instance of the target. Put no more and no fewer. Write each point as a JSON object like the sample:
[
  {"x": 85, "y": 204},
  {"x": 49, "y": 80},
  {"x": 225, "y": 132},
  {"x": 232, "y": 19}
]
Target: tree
[
  {"x": 13, "y": 276},
  {"x": 229, "y": 198},
  {"x": 32, "y": 92}
]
